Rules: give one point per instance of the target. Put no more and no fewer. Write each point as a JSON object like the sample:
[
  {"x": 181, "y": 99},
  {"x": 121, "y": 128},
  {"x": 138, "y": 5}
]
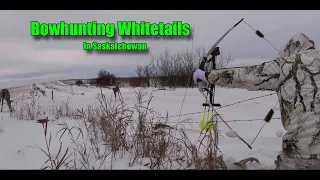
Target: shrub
[
  {"x": 79, "y": 82},
  {"x": 139, "y": 82},
  {"x": 105, "y": 78}
]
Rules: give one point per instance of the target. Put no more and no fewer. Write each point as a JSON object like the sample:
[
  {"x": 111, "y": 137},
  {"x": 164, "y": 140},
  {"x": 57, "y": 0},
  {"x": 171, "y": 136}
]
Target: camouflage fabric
[{"x": 295, "y": 76}]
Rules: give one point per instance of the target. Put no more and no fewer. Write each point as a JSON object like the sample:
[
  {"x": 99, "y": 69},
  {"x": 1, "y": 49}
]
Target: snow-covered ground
[{"x": 19, "y": 139}]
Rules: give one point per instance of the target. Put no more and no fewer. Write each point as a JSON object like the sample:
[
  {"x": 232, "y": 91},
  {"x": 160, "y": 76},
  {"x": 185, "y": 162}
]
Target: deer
[
  {"x": 115, "y": 91},
  {"x": 5, "y": 95}
]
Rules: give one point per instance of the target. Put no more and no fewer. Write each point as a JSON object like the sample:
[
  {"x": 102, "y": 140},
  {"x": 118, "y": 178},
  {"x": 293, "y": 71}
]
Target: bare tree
[
  {"x": 105, "y": 78},
  {"x": 223, "y": 61},
  {"x": 139, "y": 70}
]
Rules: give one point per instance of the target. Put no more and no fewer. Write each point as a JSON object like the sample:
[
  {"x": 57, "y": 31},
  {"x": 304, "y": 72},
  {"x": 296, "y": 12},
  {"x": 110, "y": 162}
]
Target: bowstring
[{"x": 188, "y": 83}]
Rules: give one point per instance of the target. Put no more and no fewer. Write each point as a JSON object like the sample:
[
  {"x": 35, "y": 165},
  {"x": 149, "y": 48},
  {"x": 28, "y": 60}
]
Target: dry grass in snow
[{"x": 90, "y": 130}]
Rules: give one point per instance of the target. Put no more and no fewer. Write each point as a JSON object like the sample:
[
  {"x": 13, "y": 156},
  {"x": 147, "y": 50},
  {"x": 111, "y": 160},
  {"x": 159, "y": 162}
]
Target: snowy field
[{"x": 22, "y": 138}]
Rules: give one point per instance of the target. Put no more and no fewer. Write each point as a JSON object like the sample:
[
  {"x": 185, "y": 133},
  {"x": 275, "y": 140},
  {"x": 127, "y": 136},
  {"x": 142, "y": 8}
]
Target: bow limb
[
  {"x": 217, "y": 114},
  {"x": 223, "y": 36}
]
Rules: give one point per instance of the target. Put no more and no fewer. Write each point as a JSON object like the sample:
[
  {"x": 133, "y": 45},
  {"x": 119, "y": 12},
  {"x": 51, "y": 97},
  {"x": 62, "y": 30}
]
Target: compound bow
[{"x": 214, "y": 52}]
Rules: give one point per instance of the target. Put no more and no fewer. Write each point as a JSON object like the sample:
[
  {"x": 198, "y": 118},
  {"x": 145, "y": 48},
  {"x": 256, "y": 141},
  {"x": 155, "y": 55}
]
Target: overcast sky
[{"x": 25, "y": 60}]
